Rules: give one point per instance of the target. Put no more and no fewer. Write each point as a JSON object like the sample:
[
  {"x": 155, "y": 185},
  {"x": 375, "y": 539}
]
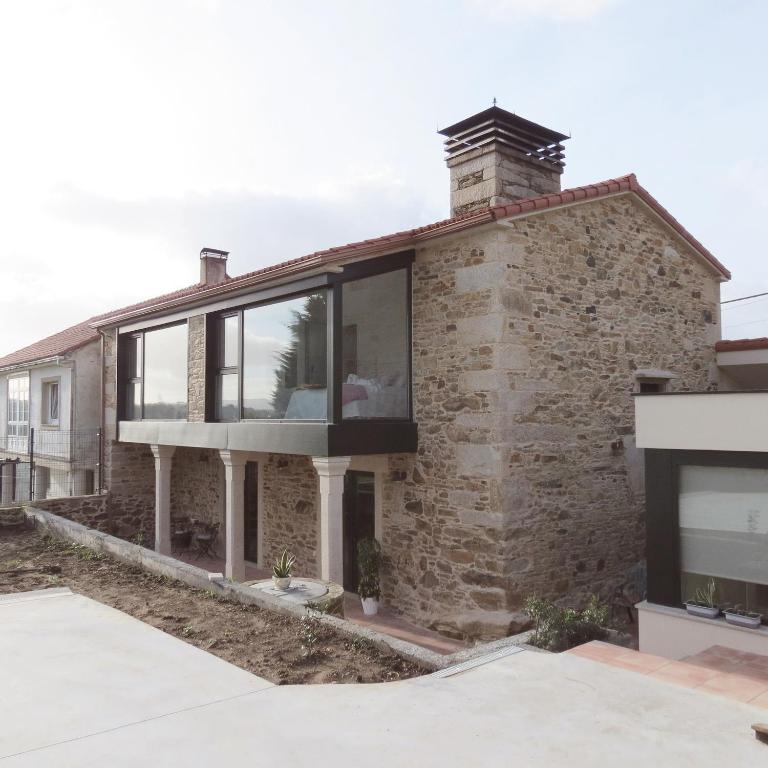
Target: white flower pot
[
  {"x": 704, "y": 611},
  {"x": 750, "y": 622},
  {"x": 370, "y": 605},
  {"x": 281, "y": 583}
]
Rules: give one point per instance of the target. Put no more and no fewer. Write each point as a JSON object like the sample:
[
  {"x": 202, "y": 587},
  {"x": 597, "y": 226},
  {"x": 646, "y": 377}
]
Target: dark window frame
[
  {"x": 224, "y": 370},
  {"x": 122, "y": 368},
  {"x": 662, "y": 493},
  {"x": 333, "y": 285}
]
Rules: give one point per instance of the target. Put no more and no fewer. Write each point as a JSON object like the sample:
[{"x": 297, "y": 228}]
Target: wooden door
[{"x": 359, "y": 521}]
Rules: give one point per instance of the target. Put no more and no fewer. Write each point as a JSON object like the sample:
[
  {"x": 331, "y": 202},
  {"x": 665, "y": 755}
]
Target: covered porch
[{"x": 258, "y": 504}]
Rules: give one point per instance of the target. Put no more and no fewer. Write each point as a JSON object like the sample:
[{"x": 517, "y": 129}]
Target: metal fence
[{"x": 49, "y": 464}]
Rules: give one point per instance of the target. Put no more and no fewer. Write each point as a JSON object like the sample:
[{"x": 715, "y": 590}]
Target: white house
[
  {"x": 706, "y": 462},
  {"x": 50, "y": 394}
]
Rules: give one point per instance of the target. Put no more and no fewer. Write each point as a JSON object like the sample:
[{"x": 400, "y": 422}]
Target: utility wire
[
  {"x": 744, "y": 298},
  {"x": 745, "y": 305}
]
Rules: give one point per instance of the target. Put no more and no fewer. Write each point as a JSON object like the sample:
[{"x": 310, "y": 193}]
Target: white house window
[
  {"x": 50, "y": 411},
  {"x": 18, "y": 406},
  {"x": 723, "y": 521}
]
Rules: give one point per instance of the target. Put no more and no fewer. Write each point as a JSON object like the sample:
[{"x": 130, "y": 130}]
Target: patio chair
[{"x": 204, "y": 540}]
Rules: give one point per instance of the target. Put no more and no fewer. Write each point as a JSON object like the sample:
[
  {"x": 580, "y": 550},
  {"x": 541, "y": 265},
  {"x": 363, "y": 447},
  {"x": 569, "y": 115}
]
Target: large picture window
[
  {"x": 18, "y": 407},
  {"x": 345, "y": 347},
  {"x": 375, "y": 347},
  {"x": 272, "y": 361},
  {"x": 285, "y": 359},
  {"x": 154, "y": 374},
  {"x": 723, "y": 513}
]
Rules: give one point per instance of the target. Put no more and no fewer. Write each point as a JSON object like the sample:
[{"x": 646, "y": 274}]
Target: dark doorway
[
  {"x": 359, "y": 520},
  {"x": 251, "y": 512}
]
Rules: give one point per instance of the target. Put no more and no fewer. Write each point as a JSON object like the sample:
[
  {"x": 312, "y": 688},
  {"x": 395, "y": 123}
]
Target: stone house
[
  {"x": 50, "y": 412},
  {"x": 462, "y": 390}
]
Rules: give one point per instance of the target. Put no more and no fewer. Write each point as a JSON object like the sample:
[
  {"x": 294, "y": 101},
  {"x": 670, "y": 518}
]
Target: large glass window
[
  {"x": 18, "y": 407},
  {"x": 154, "y": 374},
  {"x": 285, "y": 359},
  {"x": 271, "y": 361},
  {"x": 165, "y": 373},
  {"x": 375, "y": 347},
  {"x": 724, "y": 534},
  {"x": 227, "y": 377}
]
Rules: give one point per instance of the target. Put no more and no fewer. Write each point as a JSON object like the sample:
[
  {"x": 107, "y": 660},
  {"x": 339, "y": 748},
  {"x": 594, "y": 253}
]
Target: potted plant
[
  {"x": 281, "y": 570},
  {"x": 369, "y": 565},
  {"x": 704, "y": 604},
  {"x": 742, "y": 618}
]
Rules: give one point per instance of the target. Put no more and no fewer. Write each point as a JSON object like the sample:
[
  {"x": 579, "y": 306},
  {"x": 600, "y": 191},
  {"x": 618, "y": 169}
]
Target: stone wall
[
  {"x": 526, "y": 341},
  {"x": 103, "y": 513},
  {"x": 197, "y": 487},
  {"x": 90, "y": 511},
  {"x": 196, "y": 368},
  {"x": 290, "y": 498}
]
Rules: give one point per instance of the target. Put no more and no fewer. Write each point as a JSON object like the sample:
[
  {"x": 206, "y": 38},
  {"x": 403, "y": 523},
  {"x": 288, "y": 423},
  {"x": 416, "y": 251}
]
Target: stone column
[
  {"x": 6, "y": 484},
  {"x": 331, "y": 471},
  {"x": 163, "y": 461},
  {"x": 234, "y": 470}
]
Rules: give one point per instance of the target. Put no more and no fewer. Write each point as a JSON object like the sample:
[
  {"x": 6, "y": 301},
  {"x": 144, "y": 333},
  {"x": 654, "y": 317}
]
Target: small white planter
[
  {"x": 750, "y": 622},
  {"x": 370, "y": 605},
  {"x": 704, "y": 611},
  {"x": 281, "y": 583}
]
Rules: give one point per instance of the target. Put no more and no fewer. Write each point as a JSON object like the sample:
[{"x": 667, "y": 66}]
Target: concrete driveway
[{"x": 85, "y": 685}]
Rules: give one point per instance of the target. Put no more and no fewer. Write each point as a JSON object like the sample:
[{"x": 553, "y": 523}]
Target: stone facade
[
  {"x": 495, "y": 174},
  {"x": 290, "y": 504},
  {"x": 197, "y": 486},
  {"x": 196, "y": 368},
  {"x": 526, "y": 342}
]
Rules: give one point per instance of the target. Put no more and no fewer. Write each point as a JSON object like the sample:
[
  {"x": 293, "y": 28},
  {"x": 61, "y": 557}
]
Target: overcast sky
[{"x": 134, "y": 133}]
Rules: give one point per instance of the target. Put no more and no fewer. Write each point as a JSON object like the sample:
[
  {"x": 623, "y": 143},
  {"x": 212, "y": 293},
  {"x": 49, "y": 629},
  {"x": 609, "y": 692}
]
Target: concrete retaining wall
[{"x": 197, "y": 577}]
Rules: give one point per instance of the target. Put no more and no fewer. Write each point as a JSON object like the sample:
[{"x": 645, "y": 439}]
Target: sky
[{"x": 135, "y": 133}]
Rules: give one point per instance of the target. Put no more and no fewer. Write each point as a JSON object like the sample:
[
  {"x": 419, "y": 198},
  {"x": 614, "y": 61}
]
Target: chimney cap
[
  {"x": 214, "y": 252},
  {"x": 499, "y": 125}
]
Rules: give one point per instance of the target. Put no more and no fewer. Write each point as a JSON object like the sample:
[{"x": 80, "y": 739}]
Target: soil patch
[{"x": 268, "y": 644}]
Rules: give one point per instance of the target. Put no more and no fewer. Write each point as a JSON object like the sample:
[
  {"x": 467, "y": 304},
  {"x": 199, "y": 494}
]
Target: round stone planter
[{"x": 312, "y": 593}]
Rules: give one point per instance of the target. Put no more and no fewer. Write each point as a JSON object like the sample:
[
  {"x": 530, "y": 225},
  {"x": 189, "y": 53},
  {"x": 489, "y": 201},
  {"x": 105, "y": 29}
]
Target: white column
[
  {"x": 163, "y": 460},
  {"x": 234, "y": 470},
  {"x": 330, "y": 471},
  {"x": 6, "y": 481}
]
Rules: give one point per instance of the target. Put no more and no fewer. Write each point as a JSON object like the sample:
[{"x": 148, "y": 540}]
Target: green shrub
[
  {"x": 558, "y": 629},
  {"x": 309, "y": 632},
  {"x": 369, "y": 565},
  {"x": 283, "y": 565}
]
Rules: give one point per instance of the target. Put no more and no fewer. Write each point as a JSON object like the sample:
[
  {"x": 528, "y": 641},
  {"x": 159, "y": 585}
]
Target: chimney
[
  {"x": 496, "y": 157},
  {"x": 213, "y": 266}
]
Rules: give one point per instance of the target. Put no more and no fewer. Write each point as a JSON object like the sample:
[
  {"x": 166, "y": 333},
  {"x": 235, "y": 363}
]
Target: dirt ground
[{"x": 267, "y": 644}]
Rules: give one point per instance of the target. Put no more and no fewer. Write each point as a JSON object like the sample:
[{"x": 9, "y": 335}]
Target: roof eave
[{"x": 323, "y": 262}]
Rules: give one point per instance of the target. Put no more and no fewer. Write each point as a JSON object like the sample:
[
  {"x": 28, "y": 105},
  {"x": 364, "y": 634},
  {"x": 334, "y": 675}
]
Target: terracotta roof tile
[
  {"x": 58, "y": 344},
  {"x": 741, "y": 345}
]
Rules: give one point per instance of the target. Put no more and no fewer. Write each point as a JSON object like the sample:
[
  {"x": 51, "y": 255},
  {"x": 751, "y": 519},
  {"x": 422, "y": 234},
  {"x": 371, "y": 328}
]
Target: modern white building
[
  {"x": 706, "y": 462},
  {"x": 50, "y": 394}
]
